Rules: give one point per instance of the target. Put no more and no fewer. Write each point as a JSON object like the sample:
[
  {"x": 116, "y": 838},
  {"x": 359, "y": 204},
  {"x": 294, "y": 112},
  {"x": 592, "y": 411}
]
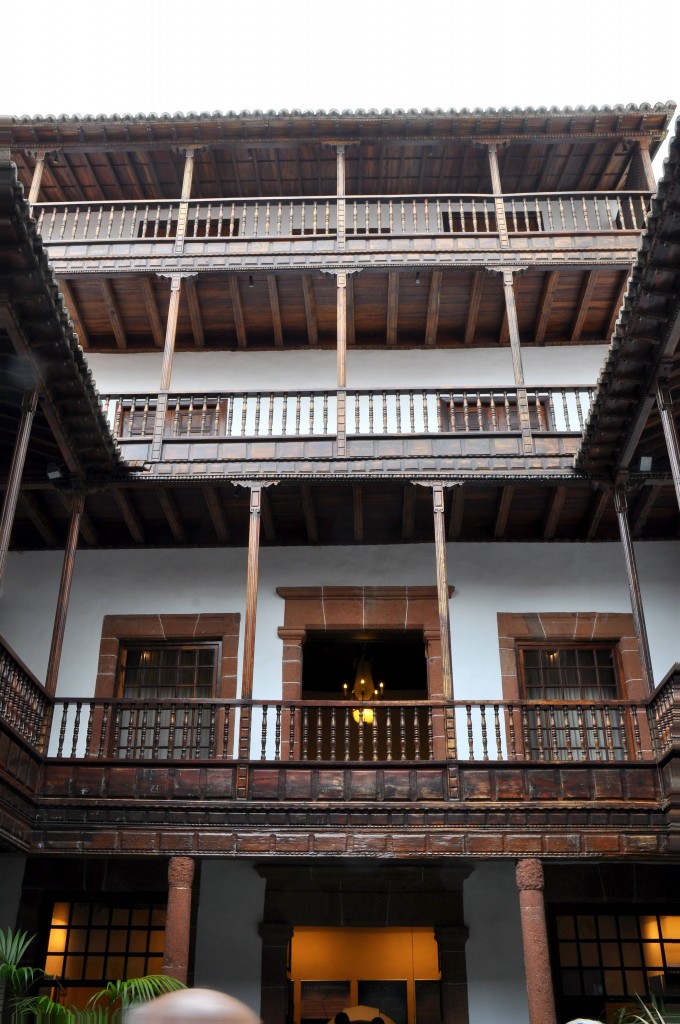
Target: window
[
  {"x": 580, "y": 683},
  {"x": 611, "y": 958},
  {"x": 179, "y": 675},
  {"x": 91, "y": 944}
]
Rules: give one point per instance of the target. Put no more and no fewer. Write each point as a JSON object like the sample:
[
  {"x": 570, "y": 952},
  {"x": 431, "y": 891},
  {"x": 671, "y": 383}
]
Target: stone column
[
  {"x": 276, "y": 939},
  {"x": 9, "y": 505},
  {"x": 178, "y": 919},
  {"x": 621, "y": 506},
  {"x": 451, "y": 942},
  {"x": 442, "y": 589},
  {"x": 535, "y": 941}
]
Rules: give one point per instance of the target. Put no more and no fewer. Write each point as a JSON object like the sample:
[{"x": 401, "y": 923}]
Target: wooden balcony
[
  {"x": 409, "y": 424},
  {"x": 218, "y": 234},
  {"x": 261, "y": 777}
]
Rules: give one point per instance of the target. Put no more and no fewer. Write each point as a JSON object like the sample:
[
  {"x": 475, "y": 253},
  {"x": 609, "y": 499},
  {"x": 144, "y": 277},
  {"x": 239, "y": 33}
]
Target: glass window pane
[
  {"x": 568, "y": 954},
  {"x": 586, "y": 926},
  {"x": 566, "y": 928},
  {"x": 613, "y": 983}
]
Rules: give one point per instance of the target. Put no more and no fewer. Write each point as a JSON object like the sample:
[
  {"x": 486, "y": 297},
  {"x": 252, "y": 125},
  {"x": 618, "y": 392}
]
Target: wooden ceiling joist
[
  {"x": 171, "y": 514},
  {"x": 217, "y": 515},
  {"x": 456, "y": 513},
  {"x": 152, "y": 312},
  {"x": 545, "y": 308},
  {"x": 643, "y": 507},
  {"x": 195, "y": 312},
  {"x": 473, "y": 309},
  {"x": 553, "y": 516},
  {"x": 503, "y": 511},
  {"x": 358, "y": 511},
  {"x": 433, "y": 303},
  {"x": 408, "y": 514},
  {"x": 309, "y": 513},
  {"x": 114, "y": 312},
  {"x": 392, "y": 308},
  {"x": 237, "y": 307},
  {"x": 310, "y": 309},
  {"x": 146, "y": 160},
  {"x": 75, "y": 184},
  {"x": 585, "y": 297},
  {"x": 129, "y": 514},
  {"x": 277, "y": 326}
]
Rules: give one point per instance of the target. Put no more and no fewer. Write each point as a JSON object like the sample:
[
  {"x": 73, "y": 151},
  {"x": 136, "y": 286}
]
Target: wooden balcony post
[
  {"x": 451, "y": 942},
  {"x": 621, "y": 506},
  {"x": 529, "y": 875},
  {"x": 178, "y": 918},
  {"x": 249, "y": 633},
  {"x": 517, "y": 367},
  {"x": 64, "y": 593},
  {"x": 276, "y": 938},
  {"x": 665, "y": 405},
  {"x": 183, "y": 215},
  {"x": 9, "y": 505},
  {"x": 166, "y": 367},
  {"x": 36, "y": 180},
  {"x": 340, "y": 191},
  {"x": 341, "y": 428},
  {"x": 442, "y": 588},
  {"x": 501, "y": 220}
]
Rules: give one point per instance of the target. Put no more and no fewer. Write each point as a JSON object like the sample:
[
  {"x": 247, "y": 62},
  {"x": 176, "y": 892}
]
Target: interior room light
[{"x": 364, "y": 689}]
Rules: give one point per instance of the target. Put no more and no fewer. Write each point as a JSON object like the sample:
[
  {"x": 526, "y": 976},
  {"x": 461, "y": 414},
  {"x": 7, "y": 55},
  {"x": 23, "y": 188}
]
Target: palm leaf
[
  {"x": 45, "y": 1009},
  {"x": 13, "y": 945},
  {"x": 136, "y": 990}
]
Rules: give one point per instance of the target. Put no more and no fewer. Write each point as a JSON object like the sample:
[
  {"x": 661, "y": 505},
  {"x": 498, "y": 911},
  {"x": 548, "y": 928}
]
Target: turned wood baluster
[
  {"x": 480, "y": 413},
  {"x": 526, "y": 736},
  {"x": 485, "y": 742},
  {"x": 567, "y": 733},
  {"x": 497, "y": 731},
  {"x": 347, "y": 734},
  {"x": 172, "y": 725},
  {"x": 333, "y": 733},
  {"x": 319, "y": 734},
  {"x": 284, "y": 416},
  {"x": 102, "y": 732},
  {"x": 426, "y": 205},
  {"x": 117, "y": 717},
  {"x": 542, "y": 733},
  {"x": 512, "y": 753},
  {"x": 305, "y": 734},
  {"x": 596, "y": 735},
  {"x": 412, "y": 411},
  {"x": 132, "y": 730},
  {"x": 156, "y": 737},
  {"x": 579, "y": 410},
  {"x": 383, "y": 399},
  {"x": 596, "y": 206},
  {"x": 142, "y": 738},
  {"x": 198, "y": 715},
  {"x": 474, "y": 216},
  {"x": 88, "y": 732},
  {"x": 487, "y": 226},
  {"x": 76, "y": 727},
  {"x": 277, "y": 734},
  {"x": 637, "y": 740},
  {"x": 263, "y": 737},
  {"x": 370, "y": 412},
  {"x": 430, "y": 733},
  {"x": 391, "y": 216},
  {"x": 270, "y": 420},
  {"x": 426, "y": 421},
  {"x": 402, "y": 734},
  {"x": 311, "y": 413},
  {"x": 403, "y": 216},
  {"x": 608, "y": 737},
  {"x": 416, "y": 735},
  {"x": 561, "y": 208},
  {"x": 187, "y": 716},
  {"x": 256, "y": 218},
  {"x": 470, "y": 736},
  {"x": 554, "y": 750},
  {"x": 360, "y": 736},
  {"x": 291, "y": 733},
  {"x": 325, "y": 413},
  {"x": 258, "y": 403},
  {"x": 494, "y": 420},
  {"x": 623, "y": 732},
  {"x": 374, "y": 734},
  {"x": 580, "y": 720},
  {"x": 388, "y": 732},
  {"x": 398, "y": 413},
  {"x": 379, "y": 215}
]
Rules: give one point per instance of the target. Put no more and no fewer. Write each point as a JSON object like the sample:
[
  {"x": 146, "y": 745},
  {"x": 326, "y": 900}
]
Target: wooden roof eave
[
  {"x": 33, "y": 313},
  {"x": 650, "y": 317}
]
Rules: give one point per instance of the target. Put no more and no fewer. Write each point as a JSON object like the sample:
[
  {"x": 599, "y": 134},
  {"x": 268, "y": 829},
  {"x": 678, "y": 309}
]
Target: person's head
[{"x": 192, "y": 1006}]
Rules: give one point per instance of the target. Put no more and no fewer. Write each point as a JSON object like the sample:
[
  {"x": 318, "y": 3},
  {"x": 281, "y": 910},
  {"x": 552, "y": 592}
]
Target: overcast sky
[{"x": 129, "y": 56}]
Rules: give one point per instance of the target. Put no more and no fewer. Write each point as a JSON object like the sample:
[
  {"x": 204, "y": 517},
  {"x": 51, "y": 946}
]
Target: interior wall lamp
[{"x": 364, "y": 689}]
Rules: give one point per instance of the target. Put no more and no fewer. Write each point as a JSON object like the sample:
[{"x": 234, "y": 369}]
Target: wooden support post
[
  {"x": 646, "y": 158},
  {"x": 64, "y": 593},
  {"x": 178, "y": 918},
  {"x": 183, "y": 215},
  {"x": 249, "y": 634},
  {"x": 529, "y": 875},
  {"x": 451, "y": 942},
  {"x": 442, "y": 588},
  {"x": 166, "y": 367},
  {"x": 665, "y": 405},
  {"x": 621, "y": 506},
  {"x": 36, "y": 180},
  {"x": 517, "y": 367},
  {"x": 501, "y": 221},
  {"x": 275, "y": 985},
  {"x": 341, "y": 426},
  {"x": 9, "y": 505},
  {"x": 340, "y": 201}
]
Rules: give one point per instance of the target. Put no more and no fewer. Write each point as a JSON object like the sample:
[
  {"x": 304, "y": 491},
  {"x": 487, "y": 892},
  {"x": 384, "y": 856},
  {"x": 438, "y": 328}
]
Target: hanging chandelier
[{"x": 364, "y": 689}]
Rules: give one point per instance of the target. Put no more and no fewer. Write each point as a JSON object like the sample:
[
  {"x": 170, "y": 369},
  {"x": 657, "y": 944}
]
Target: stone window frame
[{"x": 119, "y": 629}]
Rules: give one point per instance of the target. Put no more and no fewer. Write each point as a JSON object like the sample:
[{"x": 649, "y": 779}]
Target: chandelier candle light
[{"x": 363, "y": 690}]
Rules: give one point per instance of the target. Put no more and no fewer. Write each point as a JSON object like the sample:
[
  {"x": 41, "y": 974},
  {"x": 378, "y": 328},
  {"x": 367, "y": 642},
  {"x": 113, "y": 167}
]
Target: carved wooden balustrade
[
  {"x": 293, "y": 218},
  {"x": 24, "y": 703}
]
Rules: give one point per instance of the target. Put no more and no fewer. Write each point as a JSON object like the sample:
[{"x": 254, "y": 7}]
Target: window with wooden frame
[
  {"x": 93, "y": 943},
  {"x": 168, "y": 682},
  {"x": 578, "y": 686}
]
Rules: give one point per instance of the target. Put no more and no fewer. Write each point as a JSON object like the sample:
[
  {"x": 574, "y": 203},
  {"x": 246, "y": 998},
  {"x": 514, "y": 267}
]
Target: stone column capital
[
  {"x": 181, "y": 872},
  {"x": 529, "y": 875}
]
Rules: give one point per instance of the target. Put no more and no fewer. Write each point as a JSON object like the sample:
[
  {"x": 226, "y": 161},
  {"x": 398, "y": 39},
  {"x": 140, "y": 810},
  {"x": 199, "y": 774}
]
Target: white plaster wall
[
  {"x": 488, "y": 578},
  {"x": 228, "y": 953},
  {"x": 248, "y": 371},
  {"x": 493, "y": 953}
]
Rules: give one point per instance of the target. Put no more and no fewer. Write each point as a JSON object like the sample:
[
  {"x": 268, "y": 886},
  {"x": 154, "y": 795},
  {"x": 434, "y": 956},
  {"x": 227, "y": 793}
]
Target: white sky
[{"x": 127, "y": 56}]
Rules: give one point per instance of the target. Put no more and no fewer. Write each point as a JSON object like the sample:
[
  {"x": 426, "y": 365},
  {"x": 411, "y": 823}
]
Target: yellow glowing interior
[{"x": 363, "y": 954}]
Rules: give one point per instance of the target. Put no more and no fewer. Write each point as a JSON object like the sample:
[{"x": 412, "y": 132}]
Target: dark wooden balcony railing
[
  {"x": 384, "y": 412},
  {"x": 340, "y": 731},
  {"x": 289, "y": 219},
  {"x": 24, "y": 704},
  {"x": 664, "y": 711}
]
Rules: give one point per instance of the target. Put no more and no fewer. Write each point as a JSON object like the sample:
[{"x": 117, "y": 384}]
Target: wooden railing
[
  {"x": 664, "y": 712},
  {"x": 368, "y": 412},
  {"x": 24, "y": 704},
  {"x": 341, "y": 731},
  {"x": 291, "y": 218}
]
